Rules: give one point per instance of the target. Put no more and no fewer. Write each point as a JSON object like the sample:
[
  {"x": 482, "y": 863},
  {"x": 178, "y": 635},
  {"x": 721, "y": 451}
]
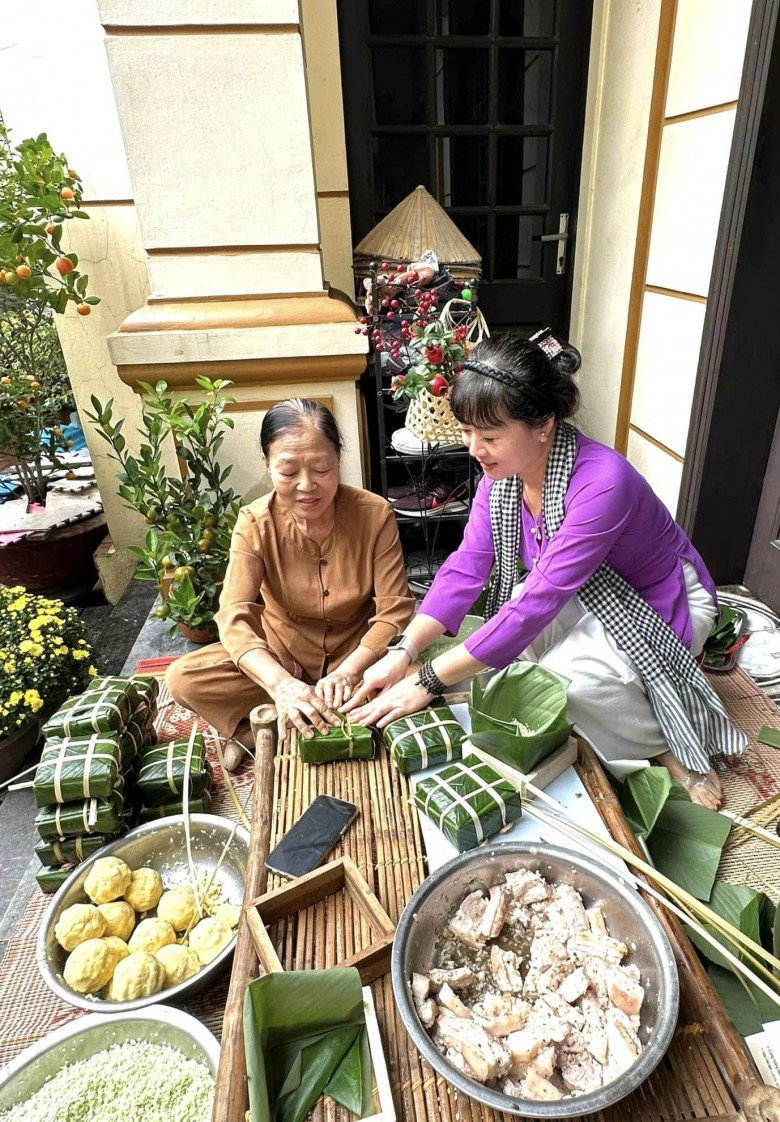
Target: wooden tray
[{"x": 706, "y": 1072}]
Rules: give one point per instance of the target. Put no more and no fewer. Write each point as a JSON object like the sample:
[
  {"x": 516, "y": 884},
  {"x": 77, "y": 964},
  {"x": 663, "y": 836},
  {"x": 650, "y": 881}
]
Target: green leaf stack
[
  {"x": 684, "y": 840},
  {"x": 305, "y": 1035},
  {"x": 520, "y": 717}
]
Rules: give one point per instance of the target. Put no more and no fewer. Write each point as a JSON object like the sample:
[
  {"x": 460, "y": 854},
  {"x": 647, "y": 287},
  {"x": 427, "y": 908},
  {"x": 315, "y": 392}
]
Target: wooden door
[{"x": 482, "y": 102}]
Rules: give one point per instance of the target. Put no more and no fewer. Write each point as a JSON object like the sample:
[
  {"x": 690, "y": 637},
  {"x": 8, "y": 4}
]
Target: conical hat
[{"x": 416, "y": 224}]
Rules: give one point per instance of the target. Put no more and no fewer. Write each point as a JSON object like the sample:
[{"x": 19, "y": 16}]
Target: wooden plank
[
  {"x": 372, "y": 962},
  {"x": 542, "y": 776},
  {"x": 230, "y": 1098},
  {"x": 301, "y": 893},
  {"x": 365, "y": 900},
  {"x": 699, "y": 1001}
]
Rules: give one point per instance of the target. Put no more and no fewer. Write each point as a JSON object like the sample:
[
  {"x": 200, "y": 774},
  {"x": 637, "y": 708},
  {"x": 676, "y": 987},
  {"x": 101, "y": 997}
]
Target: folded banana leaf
[
  {"x": 432, "y": 736},
  {"x": 52, "y": 878},
  {"x": 161, "y": 777},
  {"x": 70, "y": 851},
  {"x": 720, "y": 649},
  {"x": 95, "y": 711},
  {"x": 468, "y": 801},
  {"x": 196, "y": 806},
  {"x": 343, "y": 742},
  {"x": 520, "y": 717},
  {"x": 77, "y": 768},
  {"x": 304, "y": 1036},
  {"x": 89, "y": 816},
  {"x": 138, "y": 686}
]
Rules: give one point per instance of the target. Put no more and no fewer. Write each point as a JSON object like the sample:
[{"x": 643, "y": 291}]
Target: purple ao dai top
[{"x": 611, "y": 514}]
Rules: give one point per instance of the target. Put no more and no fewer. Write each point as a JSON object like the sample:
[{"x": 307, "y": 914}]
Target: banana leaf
[
  {"x": 468, "y": 801},
  {"x": 747, "y": 1006},
  {"x": 684, "y": 840},
  {"x": 520, "y": 717},
  {"x": 70, "y": 851},
  {"x": 195, "y": 806},
  {"x": 77, "y": 768},
  {"x": 738, "y": 905},
  {"x": 137, "y": 686},
  {"x": 343, "y": 742},
  {"x": 88, "y": 816},
  {"x": 726, "y": 632},
  {"x": 50, "y": 878},
  {"x": 105, "y": 710},
  {"x": 162, "y": 774},
  {"x": 305, "y": 1035},
  {"x": 432, "y": 736}
]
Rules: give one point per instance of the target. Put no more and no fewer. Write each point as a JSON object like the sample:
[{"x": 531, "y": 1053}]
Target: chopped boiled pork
[
  {"x": 466, "y": 924},
  {"x": 459, "y": 977},
  {"x": 504, "y": 967},
  {"x": 487, "y": 1058},
  {"x": 450, "y": 1000},
  {"x": 495, "y": 913},
  {"x": 530, "y": 993},
  {"x": 538, "y": 1088}
]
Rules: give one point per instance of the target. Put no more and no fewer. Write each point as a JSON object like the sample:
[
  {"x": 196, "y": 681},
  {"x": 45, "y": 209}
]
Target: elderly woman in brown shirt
[{"x": 314, "y": 590}]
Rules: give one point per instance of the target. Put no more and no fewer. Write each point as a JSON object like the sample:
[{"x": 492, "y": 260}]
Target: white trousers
[{"x": 607, "y": 701}]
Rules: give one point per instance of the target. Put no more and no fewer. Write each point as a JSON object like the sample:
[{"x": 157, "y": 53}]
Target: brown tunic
[{"x": 311, "y": 605}]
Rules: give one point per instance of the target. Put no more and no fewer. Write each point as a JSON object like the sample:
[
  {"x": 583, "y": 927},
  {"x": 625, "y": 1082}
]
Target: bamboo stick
[
  {"x": 630, "y": 858},
  {"x": 577, "y": 832},
  {"x": 752, "y": 828}
]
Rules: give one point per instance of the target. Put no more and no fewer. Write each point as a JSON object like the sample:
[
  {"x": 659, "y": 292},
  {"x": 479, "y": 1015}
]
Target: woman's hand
[
  {"x": 336, "y": 688},
  {"x": 402, "y": 698},
  {"x": 299, "y": 705},
  {"x": 390, "y": 669}
]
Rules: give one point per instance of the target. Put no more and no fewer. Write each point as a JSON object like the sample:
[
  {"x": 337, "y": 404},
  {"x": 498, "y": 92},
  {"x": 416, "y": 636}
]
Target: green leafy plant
[
  {"x": 44, "y": 656},
  {"x": 191, "y": 515},
  {"x": 39, "y": 193}
]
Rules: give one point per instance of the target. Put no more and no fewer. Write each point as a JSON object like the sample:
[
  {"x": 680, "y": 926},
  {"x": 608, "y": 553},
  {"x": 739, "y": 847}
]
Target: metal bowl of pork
[
  {"x": 160, "y": 845},
  {"x": 628, "y": 918}
]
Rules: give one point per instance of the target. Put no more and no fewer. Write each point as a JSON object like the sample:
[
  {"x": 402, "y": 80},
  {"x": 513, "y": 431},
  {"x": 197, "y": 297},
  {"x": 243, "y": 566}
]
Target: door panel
[{"x": 481, "y": 101}]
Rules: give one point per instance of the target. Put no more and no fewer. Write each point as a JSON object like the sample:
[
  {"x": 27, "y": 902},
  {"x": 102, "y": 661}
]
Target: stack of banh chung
[
  {"x": 83, "y": 782},
  {"x": 164, "y": 770}
]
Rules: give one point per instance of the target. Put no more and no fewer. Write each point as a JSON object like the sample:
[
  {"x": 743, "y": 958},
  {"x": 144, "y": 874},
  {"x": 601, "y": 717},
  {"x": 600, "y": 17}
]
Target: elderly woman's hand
[
  {"x": 336, "y": 688},
  {"x": 402, "y": 698},
  {"x": 300, "y": 705}
]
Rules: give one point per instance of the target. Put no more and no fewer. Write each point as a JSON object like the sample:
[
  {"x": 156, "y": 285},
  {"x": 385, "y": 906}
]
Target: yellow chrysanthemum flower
[
  {"x": 92, "y": 671},
  {"x": 79, "y": 654}
]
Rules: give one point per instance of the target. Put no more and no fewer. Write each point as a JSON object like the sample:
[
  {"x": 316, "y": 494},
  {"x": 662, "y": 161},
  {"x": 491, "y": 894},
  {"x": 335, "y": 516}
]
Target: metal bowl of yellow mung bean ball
[{"x": 138, "y": 922}]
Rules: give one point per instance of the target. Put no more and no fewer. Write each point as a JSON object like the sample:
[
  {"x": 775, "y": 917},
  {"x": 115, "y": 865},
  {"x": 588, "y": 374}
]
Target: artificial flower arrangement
[
  {"x": 44, "y": 656},
  {"x": 425, "y": 342}
]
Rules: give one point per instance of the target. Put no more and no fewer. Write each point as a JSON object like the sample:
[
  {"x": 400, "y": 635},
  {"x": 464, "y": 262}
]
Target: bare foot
[
  {"x": 704, "y": 789},
  {"x": 240, "y": 745}
]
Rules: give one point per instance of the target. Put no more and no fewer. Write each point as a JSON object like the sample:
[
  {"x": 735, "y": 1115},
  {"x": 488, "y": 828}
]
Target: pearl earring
[{"x": 544, "y": 437}]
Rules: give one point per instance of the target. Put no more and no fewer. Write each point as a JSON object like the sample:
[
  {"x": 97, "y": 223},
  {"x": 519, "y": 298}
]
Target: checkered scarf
[{"x": 691, "y": 715}]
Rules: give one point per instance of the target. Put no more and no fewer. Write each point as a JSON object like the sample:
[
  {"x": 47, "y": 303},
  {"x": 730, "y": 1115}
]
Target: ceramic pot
[
  {"x": 15, "y": 749},
  {"x": 199, "y": 634},
  {"x": 56, "y": 562}
]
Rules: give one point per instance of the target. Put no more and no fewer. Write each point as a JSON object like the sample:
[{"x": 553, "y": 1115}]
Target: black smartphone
[{"x": 308, "y": 842}]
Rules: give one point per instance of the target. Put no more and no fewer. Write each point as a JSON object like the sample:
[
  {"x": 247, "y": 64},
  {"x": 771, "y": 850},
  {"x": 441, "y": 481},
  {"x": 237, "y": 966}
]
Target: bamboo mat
[
  {"x": 386, "y": 845},
  {"x": 28, "y": 1008}
]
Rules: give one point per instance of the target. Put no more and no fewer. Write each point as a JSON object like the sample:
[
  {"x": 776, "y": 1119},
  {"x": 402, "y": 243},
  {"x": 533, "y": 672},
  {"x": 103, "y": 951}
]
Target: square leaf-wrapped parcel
[
  {"x": 430, "y": 737},
  {"x": 105, "y": 710},
  {"x": 162, "y": 774},
  {"x": 342, "y": 742},
  {"x": 195, "y": 806},
  {"x": 88, "y": 816},
  {"x": 78, "y": 768},
  {"x": 468, "y": 801}
]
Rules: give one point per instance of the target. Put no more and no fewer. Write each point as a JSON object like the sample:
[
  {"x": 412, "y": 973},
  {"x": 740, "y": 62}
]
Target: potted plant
[
  {"x": 39, "y": 194},
  {"x": 191, "y": 515},
  {"x": 44, "y": 657}
]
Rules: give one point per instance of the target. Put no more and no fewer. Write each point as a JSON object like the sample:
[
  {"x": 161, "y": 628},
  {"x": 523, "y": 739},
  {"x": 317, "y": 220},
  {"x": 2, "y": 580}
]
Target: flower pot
[
  {"x": 56, "y": 562},
  {"x": 199, "y": 634},
  {"x": 15, "y": 749}
]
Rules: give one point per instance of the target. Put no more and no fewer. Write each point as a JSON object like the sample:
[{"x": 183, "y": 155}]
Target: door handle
[{"x": 561, "y": 238}]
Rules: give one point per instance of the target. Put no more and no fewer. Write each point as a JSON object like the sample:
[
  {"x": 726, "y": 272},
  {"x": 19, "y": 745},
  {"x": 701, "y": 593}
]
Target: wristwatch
[{"x": 402, "y": 643}]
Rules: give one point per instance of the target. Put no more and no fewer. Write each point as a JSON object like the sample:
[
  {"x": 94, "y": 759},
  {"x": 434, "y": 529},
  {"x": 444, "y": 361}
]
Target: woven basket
[{"x": 431, "y": 418}]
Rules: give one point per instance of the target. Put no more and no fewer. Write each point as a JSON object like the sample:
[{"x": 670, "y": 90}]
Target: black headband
[{"x": 491, "y": 372}]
